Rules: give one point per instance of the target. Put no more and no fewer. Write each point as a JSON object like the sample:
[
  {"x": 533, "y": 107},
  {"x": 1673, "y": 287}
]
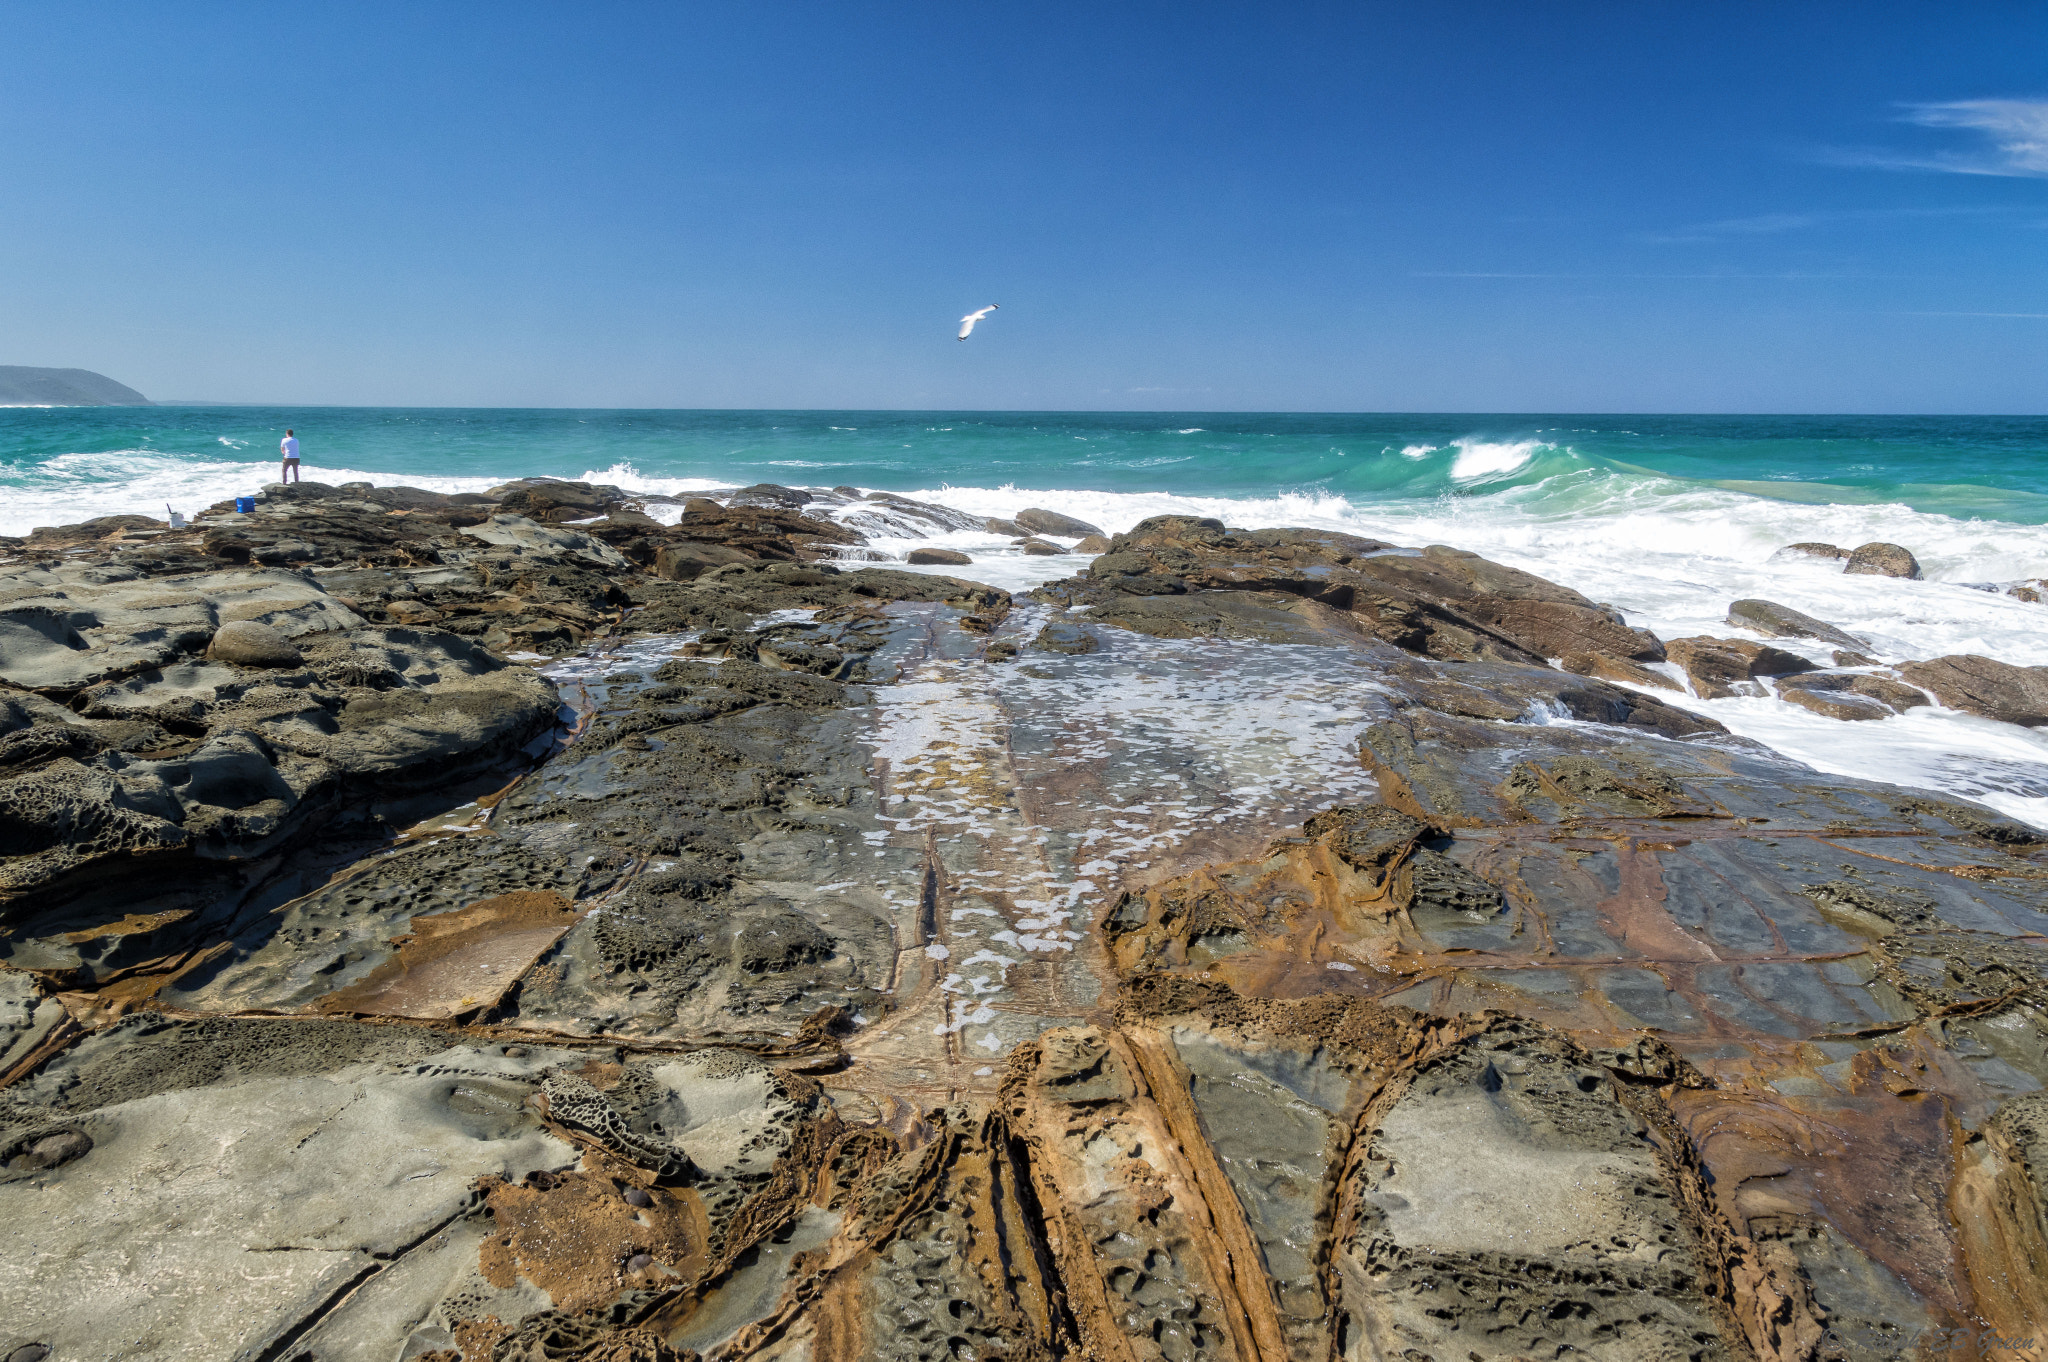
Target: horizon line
[{"x": 1050, "y": 411}]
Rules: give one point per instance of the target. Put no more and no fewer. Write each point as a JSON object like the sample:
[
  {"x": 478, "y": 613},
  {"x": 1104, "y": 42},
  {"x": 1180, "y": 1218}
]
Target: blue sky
[{"x": 1434, "y": 206}]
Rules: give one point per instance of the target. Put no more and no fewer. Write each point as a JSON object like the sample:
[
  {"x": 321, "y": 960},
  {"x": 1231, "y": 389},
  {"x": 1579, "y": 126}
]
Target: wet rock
[
  {"x": 1093, "y": 543},
  {"x": 705, "y": 936},
  {"x": 1982, "y": 685},
  {"x": 765, "y": 527},
  {"x": 249, "y": 644},
  {"x": 2035, "y": 590},
  {"x": 1008, "y": 528},
  {"x": 1837, "y": 704},
  {"x": 1038, "y": 521},
  {"x": 1039, "y": 548},
  {"x": 1267, "y": 617},
  {"x": 1721, "y": 667},
  {"x": 771, "y": 495},
  {"x": 1840, "y": 695},
  {"x": 1065, "y": 636},
  {"x": 1782, "y": 621},
  {"x": 1615, "y": 669},
  {"x": 890, "y": 514},
  {"x": 1809, "y": 550},
  {"x": 1883, "y": 560},
  {"x": 947, "y": 557},
  {"x": 732, "y": 597},
  {"x": 1439, "y": 602}
]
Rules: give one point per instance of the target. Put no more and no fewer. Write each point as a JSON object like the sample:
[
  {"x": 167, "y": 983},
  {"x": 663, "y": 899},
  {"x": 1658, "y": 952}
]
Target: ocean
[{"x": 1668, "y": 518}]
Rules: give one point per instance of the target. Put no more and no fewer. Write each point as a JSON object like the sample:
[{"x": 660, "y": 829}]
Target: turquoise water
[{"x": 1983, "y": 467}]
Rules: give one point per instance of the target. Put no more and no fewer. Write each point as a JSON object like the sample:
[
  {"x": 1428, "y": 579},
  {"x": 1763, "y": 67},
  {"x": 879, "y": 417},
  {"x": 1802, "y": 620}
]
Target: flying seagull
[{"x": 967, "y": 322}]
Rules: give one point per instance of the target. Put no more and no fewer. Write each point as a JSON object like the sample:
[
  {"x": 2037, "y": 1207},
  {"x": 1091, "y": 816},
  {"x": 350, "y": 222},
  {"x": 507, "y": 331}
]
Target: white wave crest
[
  {"x": 1481, "y": 459},
  {"x": 74, "y": 487},
  {"x": 1672, "y": 557}
]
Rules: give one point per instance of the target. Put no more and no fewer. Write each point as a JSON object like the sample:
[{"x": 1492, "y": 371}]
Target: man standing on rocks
[{"x": 289, "y": 448}]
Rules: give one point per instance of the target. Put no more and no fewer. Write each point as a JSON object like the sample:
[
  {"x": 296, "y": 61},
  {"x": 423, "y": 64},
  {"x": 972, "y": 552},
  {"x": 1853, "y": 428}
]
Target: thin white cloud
[
  {"x": 1771, "y": 224},
  {"x": 2017, "y": 130},
  {"x": 1714, "y": 274},
  {"x": 1764, "y": 224}
]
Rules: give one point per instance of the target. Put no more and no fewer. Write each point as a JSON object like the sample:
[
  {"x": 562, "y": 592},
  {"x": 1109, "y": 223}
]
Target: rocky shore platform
[{"x": 543, "y": 925}]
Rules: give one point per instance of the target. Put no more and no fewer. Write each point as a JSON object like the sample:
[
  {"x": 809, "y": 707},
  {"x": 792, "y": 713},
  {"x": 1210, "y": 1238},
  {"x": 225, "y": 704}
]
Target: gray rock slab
[
  {"x": 284, "y": 1192},
  {"x": 1513, "y": 1199},
  {"x": 62, "y": 629}
]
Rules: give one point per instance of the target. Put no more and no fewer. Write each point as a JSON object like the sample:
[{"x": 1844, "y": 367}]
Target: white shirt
[{"x": 290, "y": 445}]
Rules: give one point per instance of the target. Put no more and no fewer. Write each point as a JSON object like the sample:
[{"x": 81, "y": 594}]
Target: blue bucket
[{"x": 245, "y": 504}]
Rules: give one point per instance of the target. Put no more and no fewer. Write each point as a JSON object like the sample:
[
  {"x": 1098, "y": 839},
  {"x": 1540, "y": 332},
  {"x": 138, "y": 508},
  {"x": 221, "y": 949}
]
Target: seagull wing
[{"x": 967, "y": 322}]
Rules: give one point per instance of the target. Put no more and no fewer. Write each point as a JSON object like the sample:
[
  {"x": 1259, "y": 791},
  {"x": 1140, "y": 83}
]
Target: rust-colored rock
[{"x": 460, "y": 961}]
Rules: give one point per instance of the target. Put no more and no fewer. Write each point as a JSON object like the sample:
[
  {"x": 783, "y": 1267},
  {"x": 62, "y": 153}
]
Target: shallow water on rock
[{"x": 1046, "y": 786}]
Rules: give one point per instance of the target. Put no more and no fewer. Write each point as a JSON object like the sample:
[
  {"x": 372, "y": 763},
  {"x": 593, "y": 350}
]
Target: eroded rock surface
[{"x": 1253, "y": 947}]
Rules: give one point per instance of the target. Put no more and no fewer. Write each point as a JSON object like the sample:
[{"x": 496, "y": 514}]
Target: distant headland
[{"x": 22, "y": 386}]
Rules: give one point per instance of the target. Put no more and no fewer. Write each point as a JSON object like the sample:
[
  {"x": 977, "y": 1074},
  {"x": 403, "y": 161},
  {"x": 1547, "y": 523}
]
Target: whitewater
[{"x": 1667, "y": 519}]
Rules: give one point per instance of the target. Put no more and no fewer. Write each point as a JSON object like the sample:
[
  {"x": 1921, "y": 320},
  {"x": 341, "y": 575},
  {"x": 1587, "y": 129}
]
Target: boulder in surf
[{"x": 1883, "y": 560}]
